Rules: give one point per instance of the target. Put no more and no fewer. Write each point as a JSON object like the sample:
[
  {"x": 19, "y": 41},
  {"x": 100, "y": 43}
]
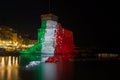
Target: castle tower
[
  {"x": 46, "y": 34},
  {"x": 48, "y": 21},
  {"x": 53, "y": 40}
]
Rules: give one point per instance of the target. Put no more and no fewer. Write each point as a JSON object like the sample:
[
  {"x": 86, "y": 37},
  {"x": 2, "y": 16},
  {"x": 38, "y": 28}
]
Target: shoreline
[{"x": 11, "y": 53}]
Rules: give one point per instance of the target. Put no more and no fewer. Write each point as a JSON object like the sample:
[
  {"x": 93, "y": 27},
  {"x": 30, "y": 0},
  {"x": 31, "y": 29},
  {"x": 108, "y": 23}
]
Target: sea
[{"x": 11, "y": 68}]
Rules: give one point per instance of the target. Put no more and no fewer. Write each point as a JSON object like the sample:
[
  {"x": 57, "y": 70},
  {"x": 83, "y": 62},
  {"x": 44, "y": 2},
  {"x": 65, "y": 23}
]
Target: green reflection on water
[{"x": 25, "y": 59}]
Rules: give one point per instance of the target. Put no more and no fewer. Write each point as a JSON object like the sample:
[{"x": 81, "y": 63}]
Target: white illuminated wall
[{"x": 49, "y": 39}]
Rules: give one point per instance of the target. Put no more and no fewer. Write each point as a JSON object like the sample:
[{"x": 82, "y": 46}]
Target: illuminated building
[
  {"x": 53, "y": 40},
  {"x": 9, "y": 39}
]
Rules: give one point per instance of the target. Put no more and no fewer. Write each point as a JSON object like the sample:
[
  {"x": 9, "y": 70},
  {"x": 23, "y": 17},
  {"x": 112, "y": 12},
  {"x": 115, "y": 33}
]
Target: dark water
[{"x": 11, "y": 69}]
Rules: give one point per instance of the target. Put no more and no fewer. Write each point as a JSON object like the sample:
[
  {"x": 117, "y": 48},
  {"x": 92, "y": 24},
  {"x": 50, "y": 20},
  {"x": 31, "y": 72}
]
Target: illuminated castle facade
[{"x": 53, "y": 40}]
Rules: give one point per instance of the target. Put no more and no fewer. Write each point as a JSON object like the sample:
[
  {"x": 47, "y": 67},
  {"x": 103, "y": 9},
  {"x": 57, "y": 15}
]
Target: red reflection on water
[
  {"x": 57, "y": 71},
  {"x": 65, "y": 70}
]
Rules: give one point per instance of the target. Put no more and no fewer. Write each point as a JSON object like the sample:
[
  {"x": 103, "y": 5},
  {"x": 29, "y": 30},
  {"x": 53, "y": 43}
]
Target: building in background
[{"x": 10, "y": 40}]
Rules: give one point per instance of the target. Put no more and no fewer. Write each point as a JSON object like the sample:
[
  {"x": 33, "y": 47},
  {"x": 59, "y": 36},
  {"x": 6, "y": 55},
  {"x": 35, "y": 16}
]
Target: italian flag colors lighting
[{"x": 53, "y": 40}]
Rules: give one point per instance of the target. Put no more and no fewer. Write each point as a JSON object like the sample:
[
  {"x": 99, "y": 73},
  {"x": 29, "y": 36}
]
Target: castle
[{"x": 53, "y": 39}]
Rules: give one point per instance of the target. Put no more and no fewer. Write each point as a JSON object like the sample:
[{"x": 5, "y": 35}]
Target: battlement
[{"x": 49, "y": 17}]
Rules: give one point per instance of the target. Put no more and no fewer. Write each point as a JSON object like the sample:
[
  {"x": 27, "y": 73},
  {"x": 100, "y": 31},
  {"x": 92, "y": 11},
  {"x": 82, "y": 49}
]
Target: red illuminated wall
[
  {"x": 64, "y": 41},
  {"x": 64, "y": 46}
]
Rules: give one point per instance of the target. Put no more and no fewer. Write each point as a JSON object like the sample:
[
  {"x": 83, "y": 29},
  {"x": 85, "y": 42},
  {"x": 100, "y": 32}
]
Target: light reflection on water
[{"x": 11, "y": 69}]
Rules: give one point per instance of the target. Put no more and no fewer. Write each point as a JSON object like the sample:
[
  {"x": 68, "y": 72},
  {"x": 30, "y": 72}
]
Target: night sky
[{"x": 95, "y": 23}]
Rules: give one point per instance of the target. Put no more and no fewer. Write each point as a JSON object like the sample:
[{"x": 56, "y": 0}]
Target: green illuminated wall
[{"x": 36, "y": 49}]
